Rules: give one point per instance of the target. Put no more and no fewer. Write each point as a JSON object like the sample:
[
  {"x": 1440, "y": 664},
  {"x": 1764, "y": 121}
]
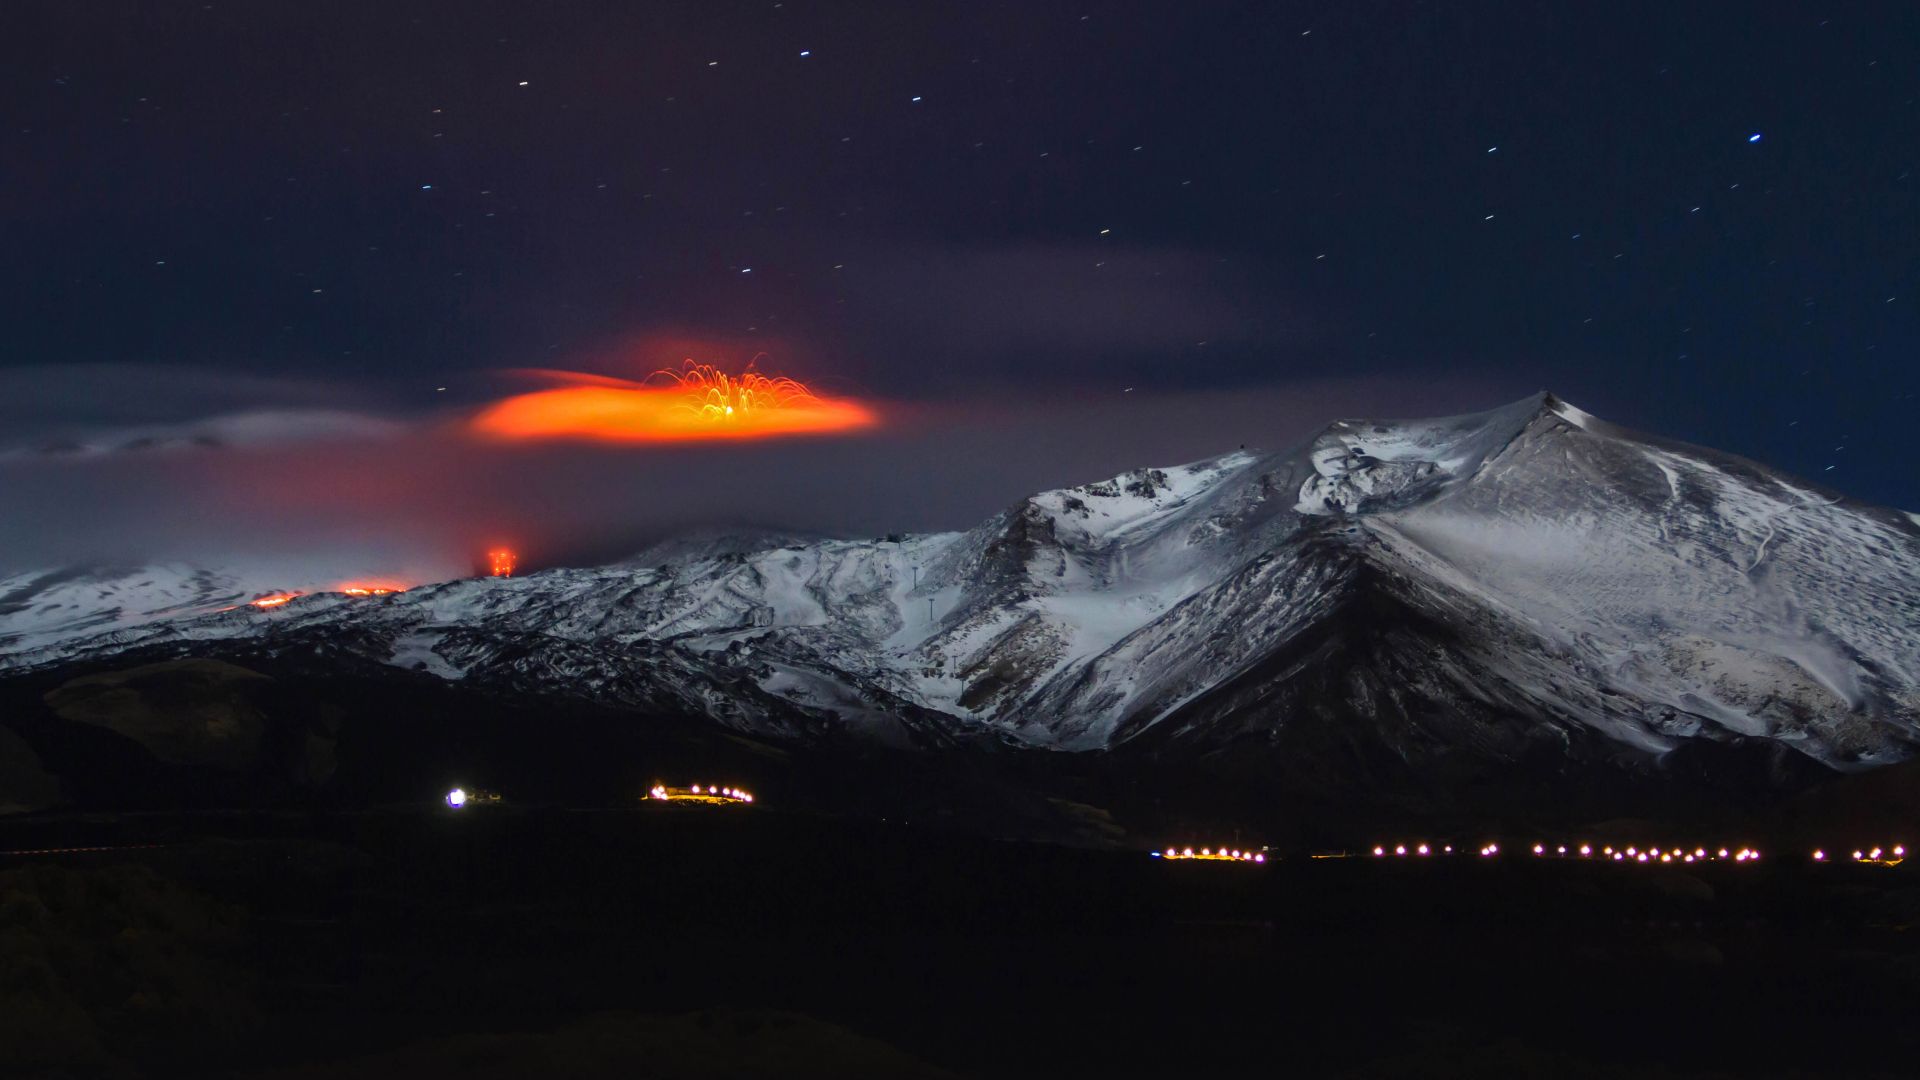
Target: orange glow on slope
[
  {"x": 698, "y": 402},
  {"x": 370, "y": 588},
  {"x": 500, "y": 562},
  {"x": 273, "y": 601}
]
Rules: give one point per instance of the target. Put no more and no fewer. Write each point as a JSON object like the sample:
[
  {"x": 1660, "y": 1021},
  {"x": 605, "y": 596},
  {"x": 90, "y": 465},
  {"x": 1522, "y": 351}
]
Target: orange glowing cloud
[{"x": 696, "y": 403}]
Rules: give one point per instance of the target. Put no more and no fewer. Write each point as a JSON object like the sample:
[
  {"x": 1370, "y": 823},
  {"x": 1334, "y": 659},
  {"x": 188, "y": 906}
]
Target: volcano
[{"x": 1528, "y": 601}]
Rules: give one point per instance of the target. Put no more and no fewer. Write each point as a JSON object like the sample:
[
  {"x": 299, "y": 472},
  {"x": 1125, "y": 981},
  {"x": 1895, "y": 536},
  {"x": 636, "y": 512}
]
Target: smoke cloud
[{"x": 419, "y": 498}]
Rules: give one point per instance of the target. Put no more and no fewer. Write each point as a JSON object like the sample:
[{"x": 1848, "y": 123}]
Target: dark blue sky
[{"x": 937, "y": 202}]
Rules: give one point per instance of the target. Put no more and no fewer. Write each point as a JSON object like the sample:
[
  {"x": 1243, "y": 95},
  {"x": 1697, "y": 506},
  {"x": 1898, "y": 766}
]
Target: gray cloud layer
[{"x": 425, "y": 499}]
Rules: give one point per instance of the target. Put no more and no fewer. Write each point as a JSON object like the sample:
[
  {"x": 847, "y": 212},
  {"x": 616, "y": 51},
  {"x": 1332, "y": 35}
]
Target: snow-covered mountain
[
  {"x": 1469, "y": 589},
  {"x": 47, "y": 607}
]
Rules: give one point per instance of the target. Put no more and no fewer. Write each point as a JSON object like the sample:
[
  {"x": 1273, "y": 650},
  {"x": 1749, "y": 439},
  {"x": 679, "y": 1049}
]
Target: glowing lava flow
[
  {"x": 698, "y": 402},
  {"x": 369, "y": 588},
  {"x": 356, "y": 588}
]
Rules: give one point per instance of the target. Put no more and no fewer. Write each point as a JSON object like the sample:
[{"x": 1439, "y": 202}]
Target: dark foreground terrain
[{"x": 670, "y": 941}]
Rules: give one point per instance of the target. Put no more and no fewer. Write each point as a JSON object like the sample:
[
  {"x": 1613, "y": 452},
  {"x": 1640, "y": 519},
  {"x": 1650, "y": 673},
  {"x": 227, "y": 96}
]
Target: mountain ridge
[{"x": 1452, "y": 595}]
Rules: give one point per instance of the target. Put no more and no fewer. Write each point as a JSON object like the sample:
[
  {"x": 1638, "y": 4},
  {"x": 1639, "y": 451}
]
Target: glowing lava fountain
[{"x": 696, "y": 403}]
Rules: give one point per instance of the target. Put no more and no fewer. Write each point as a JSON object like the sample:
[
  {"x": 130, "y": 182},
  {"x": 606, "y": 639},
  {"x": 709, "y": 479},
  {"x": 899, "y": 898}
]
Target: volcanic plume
[{"x": 695, "y": 403}]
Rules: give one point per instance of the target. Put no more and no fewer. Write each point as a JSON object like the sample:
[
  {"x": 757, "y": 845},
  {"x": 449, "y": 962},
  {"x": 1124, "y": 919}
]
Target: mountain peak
[
  {"x": 1386, "y": 464},
  {"x": 1554, "y": 404}
]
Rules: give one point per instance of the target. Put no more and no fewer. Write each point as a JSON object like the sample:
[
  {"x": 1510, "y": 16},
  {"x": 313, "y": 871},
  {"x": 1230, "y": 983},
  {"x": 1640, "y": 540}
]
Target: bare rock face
[{"x": 184, "y": 712}]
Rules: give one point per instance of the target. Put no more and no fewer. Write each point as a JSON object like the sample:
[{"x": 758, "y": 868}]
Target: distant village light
[
  {"x": 1208, "y": 854},
  {"x": 709, "y": 794}
]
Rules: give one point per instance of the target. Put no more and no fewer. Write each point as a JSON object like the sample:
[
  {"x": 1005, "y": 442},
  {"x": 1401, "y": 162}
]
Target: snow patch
[
  {"x": 1574, "y": 415},
  {"x": 416, "y": 651}
]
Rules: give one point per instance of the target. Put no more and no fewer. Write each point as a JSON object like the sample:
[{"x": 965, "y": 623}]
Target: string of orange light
[
  {"x": 1606, "y": 853},
  {"x": 1875, "y": 856},
  {"x": 1212, "y": 855},
  {"x": 709, "y": 793},
  {"x": 1891, "y": 855}
]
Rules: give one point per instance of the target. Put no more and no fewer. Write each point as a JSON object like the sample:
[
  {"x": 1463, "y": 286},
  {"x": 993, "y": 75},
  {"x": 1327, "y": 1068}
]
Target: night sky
[{"x": 1058, "y": 240}]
